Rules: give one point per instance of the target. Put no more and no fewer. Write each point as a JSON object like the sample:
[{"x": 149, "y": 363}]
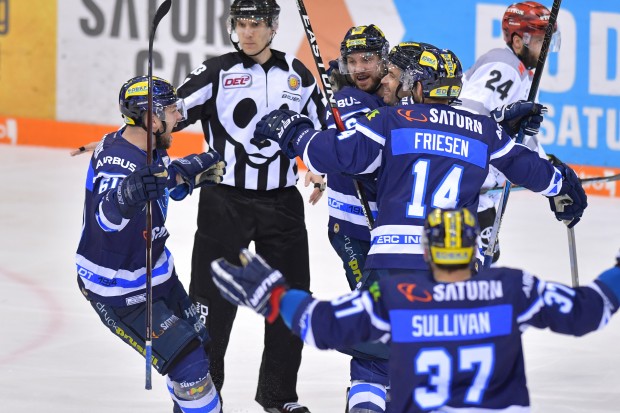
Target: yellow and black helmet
[
  {"x": 450, "y": 237},
  {"x": 438, "y": 70}
]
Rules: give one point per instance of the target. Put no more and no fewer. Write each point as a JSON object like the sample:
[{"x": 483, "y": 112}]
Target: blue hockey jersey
[
  {"x": 455, "y": 346},
  {"x": 111, "y": 255},
  {"x": 346, "y": 215},
  {"x": 425, "y": 157}
]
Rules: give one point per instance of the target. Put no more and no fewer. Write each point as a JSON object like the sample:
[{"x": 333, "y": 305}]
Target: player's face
[
  {"x": 254, "y": 35},
  {"x": 365, "y": 69},
  {"x": 391, "y": 83},
  {"x": 534, "y": 44},
  {"x": 173, "y": 116}
]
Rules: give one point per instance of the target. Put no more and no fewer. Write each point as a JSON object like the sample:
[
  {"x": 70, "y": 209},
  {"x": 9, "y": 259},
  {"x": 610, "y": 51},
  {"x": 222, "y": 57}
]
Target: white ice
[{"x": 56, "y": 356}]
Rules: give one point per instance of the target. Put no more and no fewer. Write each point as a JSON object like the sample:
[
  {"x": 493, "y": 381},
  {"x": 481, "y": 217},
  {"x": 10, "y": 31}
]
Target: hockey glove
[
  {"x": 521, "y": 113},
  {"x": 136, "y": 189},
  {"x": 282, "y": 126},
  {"x": 255, "y": 284},
  {"x": 568, "y": 205},
  {"x": 200, "y": 170}
]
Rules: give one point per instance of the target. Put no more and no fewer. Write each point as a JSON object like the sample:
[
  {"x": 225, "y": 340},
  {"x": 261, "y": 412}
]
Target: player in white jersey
[{"x": 503, "y": 76}]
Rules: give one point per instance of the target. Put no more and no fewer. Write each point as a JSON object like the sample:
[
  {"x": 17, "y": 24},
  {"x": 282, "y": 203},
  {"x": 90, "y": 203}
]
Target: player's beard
[
  {"x": 528, "y": 58},
  {"x": 163, "y": 141}
]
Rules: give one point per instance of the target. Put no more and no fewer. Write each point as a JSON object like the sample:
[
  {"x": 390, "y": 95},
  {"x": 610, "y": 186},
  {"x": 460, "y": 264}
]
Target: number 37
[{"x": 438, "y": 363}]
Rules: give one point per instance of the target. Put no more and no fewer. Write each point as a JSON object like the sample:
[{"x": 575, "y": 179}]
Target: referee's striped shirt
[{"x": 229, "y": 94}]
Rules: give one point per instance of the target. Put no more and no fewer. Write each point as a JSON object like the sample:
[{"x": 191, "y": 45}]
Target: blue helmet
[
  {"x": 450, "y": 237},
  {"x": 133, "y": 99},
  {"x": 438, "y": 70}
]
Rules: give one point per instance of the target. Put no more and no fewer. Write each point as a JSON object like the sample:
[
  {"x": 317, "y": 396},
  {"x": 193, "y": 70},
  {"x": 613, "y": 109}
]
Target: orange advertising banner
[
  {"x": 43, "y": 132},
  {"x": 607, "y": 189}
]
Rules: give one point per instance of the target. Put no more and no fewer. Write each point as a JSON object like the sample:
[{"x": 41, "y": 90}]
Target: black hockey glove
[
  {"x": 136, "y": 189},
  {"x": 568, "y": 205},
  {"x": 255, "y": 284},
  {"x": 200, "y": 170},
  {"x": 282, "y": 126},
  {"x": 522, "y": 112}
]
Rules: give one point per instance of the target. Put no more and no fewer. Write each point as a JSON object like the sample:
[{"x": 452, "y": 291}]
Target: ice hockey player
[
  {"x": 455, "y": 340},
  {"x": 363, "y": 54},
  {"x": 503, "y": 76},
  {"x": 361, "y": 66},
  {"x": 111, "y": 256},
  {"x": 425, "y": 155}
]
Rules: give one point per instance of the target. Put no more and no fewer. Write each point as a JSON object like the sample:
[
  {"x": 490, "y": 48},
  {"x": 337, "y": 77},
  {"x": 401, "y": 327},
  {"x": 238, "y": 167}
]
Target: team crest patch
[{"x": 294, "y": 82}]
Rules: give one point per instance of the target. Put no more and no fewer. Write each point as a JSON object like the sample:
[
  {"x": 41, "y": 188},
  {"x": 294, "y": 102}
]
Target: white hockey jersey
[{"x": 497, "y": 78}]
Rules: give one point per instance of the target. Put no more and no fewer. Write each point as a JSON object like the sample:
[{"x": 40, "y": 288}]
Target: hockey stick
[
  {"x": 583, "y": 181},
  {"x": 329, "y": 95},
  {"x": 540, "y": 65},
  {"x": 163, "y": 9}
]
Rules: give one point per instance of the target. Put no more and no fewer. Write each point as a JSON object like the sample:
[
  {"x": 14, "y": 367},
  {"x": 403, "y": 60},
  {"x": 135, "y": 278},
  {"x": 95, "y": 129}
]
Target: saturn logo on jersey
[
  {"x": 294, "y": 82},
  {"x": 236, "y": 80},
  {"x": 408, "y": 114},
  {"x": 406, "y": 289}
]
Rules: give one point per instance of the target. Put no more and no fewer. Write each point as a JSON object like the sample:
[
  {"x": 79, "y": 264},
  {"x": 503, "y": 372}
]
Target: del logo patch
[
  {"x": 294, "y": 82},
  {"x": 236, "y": 80}
]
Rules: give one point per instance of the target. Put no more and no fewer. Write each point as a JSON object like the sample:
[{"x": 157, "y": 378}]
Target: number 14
[{"x": 446, "y": 195}]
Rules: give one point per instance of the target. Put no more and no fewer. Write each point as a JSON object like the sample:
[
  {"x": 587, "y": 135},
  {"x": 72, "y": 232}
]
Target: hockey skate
[{"x": 292, "y": 407}]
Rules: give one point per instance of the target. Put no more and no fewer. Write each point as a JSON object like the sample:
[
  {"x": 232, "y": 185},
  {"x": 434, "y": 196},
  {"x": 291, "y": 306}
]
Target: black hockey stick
[
  {"x": 540, "y": 65},
  {"x": 163, "y": 9},
  {"x": 329, "y": 95},
  {"x": 594, "y": 179}
]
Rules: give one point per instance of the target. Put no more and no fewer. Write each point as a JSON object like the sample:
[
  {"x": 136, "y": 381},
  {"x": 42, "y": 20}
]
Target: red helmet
[{"x": 525, "y": 17}]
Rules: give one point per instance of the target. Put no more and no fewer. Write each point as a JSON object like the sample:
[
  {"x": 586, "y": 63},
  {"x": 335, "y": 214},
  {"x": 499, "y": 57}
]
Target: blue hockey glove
[
  {"x": 282, "y": 126},
  {"x": 568, "y": 205},
  {"x": 200, "y": 170},
  {"x": 611, "y": 277},
  {"x": 136, "y": 189},
  {"x": 255, "y": 284},
  {"x": 511, "y": 116}
]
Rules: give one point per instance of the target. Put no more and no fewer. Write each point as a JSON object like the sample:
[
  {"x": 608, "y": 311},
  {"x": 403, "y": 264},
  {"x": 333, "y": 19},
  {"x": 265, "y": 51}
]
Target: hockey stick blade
[{"x": 162, "y": 10}]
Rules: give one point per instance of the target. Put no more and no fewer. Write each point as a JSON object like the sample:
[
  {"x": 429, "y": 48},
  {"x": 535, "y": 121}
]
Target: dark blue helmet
[{"x": 133, "y": 99}]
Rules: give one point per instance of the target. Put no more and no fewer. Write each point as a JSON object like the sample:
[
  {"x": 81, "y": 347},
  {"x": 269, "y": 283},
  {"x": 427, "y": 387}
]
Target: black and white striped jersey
[{"x": 229, "y": 94}]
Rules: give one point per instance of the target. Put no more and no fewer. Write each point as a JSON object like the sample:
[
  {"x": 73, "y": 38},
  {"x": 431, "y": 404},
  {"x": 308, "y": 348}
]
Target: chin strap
[{"x": 157, "y": 132}]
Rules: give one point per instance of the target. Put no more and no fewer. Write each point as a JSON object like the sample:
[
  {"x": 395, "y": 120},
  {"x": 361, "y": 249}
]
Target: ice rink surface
[{"x": 56, "y": 356}]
